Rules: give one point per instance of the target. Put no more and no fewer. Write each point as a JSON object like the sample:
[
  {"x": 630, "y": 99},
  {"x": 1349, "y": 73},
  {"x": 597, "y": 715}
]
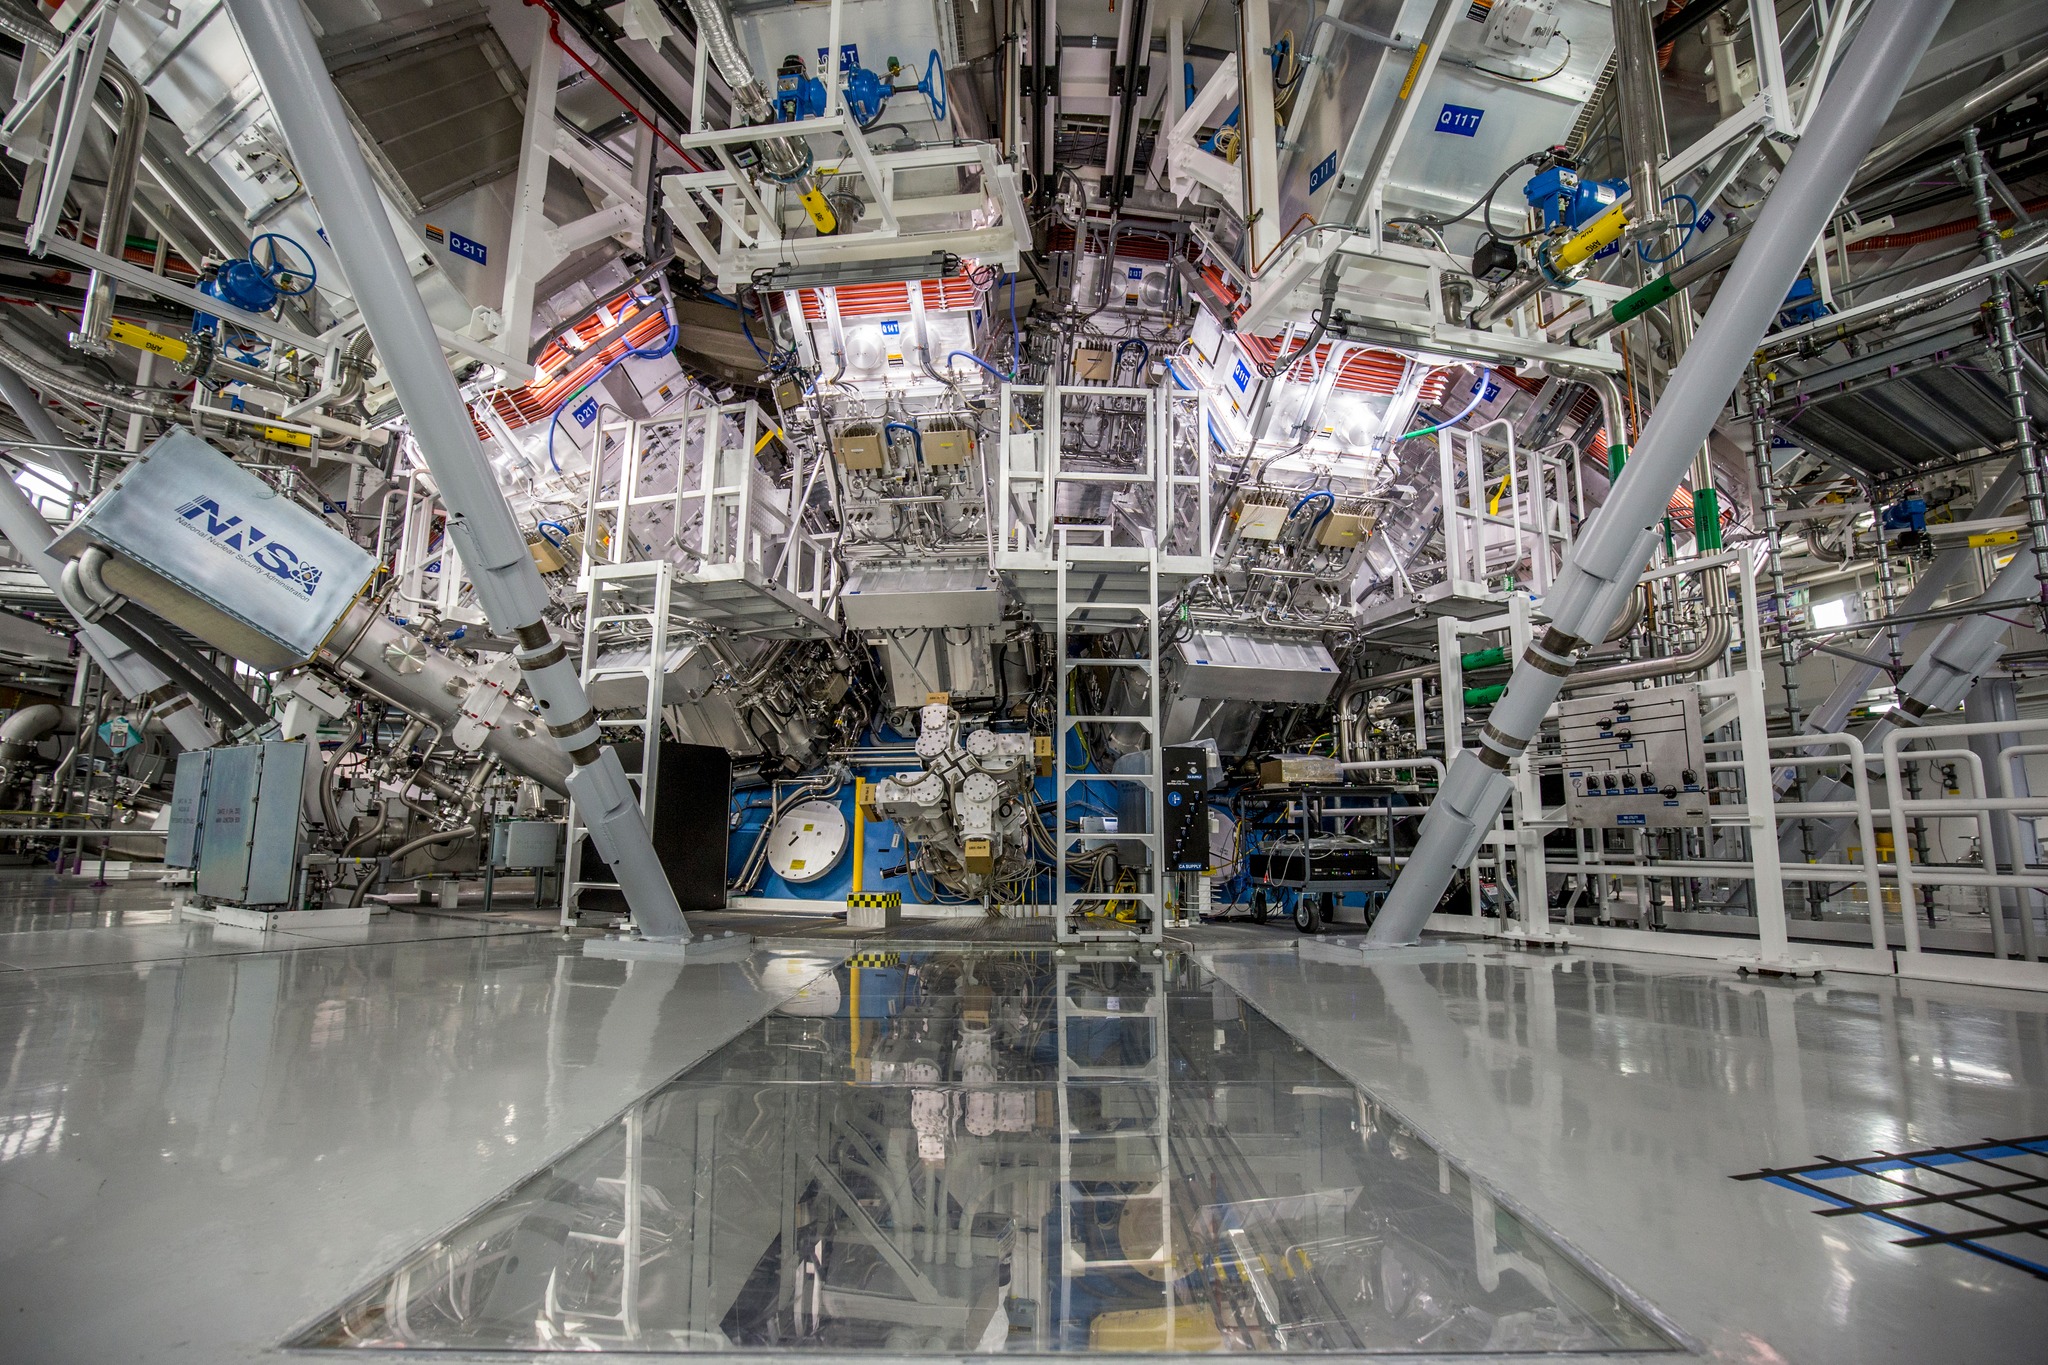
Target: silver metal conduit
[
  {"x": 1929, "y": 586},
  {"x": 1943, "y": 676},
  {"x": 1712, "y": 645},
  {"x": 781, "y": 157},
  {"x": 1938, "y": 127},
  {"x": 28, "y": 405},
  {"x": 508, "y": 586},
  {"x": 84, "y": 390},
  {"x": 1604, "y": 564}
]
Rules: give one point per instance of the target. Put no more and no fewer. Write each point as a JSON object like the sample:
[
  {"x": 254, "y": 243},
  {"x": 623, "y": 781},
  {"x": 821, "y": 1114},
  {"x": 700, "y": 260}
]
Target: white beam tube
[
  {"x": 508, "y": 586},
  {"x": 1928, "y": 589},
  {"x": 1963, "y": 652},
  {"x": 1609, "y": 553}
]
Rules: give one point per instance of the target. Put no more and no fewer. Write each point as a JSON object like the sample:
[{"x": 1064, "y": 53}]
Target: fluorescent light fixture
[
  {"x": 1830, "y": 615},
  {"x": 936, "y": 266}
]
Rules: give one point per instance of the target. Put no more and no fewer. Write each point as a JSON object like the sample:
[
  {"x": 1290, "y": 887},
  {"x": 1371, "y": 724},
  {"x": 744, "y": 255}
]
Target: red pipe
[{"x": 1893, "y": 241}]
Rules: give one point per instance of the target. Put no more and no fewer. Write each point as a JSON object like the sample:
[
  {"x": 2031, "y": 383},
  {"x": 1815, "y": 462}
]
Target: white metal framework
[
  {"x": 634, "y": 601},
  {"x": 690, "y": 489},
  {"x": 1103, "y": 587}
]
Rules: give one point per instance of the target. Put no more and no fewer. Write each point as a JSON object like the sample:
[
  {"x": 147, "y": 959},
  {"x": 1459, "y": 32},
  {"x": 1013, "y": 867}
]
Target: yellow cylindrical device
[
  {"x": 860, "y": 835},
  {"x": 1593, "y": 239},
  {"x": 173, "y": 349},
  {"x": 821, "y": 212}
]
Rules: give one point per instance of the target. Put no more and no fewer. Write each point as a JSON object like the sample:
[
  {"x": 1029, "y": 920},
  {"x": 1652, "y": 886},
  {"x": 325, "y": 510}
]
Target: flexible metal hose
[
  {"x": 446, "y": 836},
  {"x": 48, "y": 378},
  {"x": 328, "y": 799},
  {"x": 782, "y": 158}
]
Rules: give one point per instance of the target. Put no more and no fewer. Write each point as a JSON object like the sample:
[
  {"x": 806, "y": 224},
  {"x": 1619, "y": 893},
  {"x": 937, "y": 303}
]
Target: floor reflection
[{"x": 989, "y": 1151}]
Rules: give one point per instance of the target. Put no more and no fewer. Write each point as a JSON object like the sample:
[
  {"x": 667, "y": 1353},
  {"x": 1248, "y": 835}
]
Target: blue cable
[
  {"x": 1176, "y": 376},
  {"x": 1230, "y": 122},
  {"x": 969, "y": 355},
  {"x": 667, "y": 347},
  {"x": 744, "y": 327},
  {"x": 916, "y": 436},
  {"x": 1329, "y": 506},
  {"x": 1683, "y": 242},
  {"x": 1144, "y": 352},
  {"x": 1479, "y": 393},
  {"x": 545, "y": 526}
]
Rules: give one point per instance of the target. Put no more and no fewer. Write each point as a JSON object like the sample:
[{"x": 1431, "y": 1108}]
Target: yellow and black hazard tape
[
  {"x": 875, "y": 960},
  {"x": 875, "y": 900}
]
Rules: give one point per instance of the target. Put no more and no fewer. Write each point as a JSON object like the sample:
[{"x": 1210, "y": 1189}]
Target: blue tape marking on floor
[{"x": 1975, "y": 1248}]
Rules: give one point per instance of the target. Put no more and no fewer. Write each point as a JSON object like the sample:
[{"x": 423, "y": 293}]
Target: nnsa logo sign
[{"x": 251, "y": 545}]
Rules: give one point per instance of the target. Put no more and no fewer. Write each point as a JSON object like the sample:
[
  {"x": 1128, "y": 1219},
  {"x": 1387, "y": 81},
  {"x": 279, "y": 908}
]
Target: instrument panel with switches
[{"x": 1634, "y": 760}]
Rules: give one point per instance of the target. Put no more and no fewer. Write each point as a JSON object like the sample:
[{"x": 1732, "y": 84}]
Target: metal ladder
[
  {"x": 626, "y": 1241},
  {"x": 1118, "y": 589},
  {"x": 635, "y": 594},
  {"x": 1142, "y": 1154}
]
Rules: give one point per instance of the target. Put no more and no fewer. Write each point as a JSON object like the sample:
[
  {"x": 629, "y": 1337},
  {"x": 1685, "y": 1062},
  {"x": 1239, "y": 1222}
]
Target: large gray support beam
[
  {"x": 508, "y": 586},
  {"x": 1609, "y": 554},
  {"x": 1962, "y": 653}
]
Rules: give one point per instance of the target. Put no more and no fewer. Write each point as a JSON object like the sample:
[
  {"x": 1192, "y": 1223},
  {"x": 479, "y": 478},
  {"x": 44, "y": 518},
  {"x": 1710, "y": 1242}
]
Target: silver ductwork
[
  {"x": 371, "y": 651},
  {"x": 783, "y": 159}
]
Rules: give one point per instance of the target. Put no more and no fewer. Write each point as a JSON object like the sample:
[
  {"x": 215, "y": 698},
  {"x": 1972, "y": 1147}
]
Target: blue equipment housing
[
  {"x": 1908, "y": 514},
  {"x": 254, "y": 286},
  {"x": 867, "y": 96},
  {"x": 1802, "y": 305},
  {"x": 1567, "y": 201},
  {"x": 239, "y": 284},
  {"x": 800, "y": 95}
]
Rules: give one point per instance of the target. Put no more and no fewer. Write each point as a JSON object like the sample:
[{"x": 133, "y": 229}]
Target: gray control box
[
  {"x": 525, "y": 844},
  {"x": 1634, "y": 760}
]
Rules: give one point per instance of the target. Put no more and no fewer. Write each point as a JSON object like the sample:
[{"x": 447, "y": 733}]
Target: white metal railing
[
  {"x": 1163, "y": 501},
  {"x": 1495, "y": 526},
  {"x": 691, "y": 489},
  {"x": 1978, "y": 803}
]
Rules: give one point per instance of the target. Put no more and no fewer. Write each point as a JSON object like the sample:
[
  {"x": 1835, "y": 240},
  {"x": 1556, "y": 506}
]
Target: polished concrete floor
[{"x": 213, "y": 1143}]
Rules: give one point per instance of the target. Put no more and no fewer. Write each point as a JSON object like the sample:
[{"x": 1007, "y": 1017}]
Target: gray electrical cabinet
[
  {"x": 181, "y": 849},
  {"x": 521, "y": 845},
  {"x": 235, "y": 818}
]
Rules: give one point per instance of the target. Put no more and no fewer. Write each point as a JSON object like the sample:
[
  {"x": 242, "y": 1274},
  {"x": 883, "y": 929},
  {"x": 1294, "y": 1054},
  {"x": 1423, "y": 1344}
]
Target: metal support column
[
  {"x": 2030, "y": 454},
  {"x": 508, "y": 585}
]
